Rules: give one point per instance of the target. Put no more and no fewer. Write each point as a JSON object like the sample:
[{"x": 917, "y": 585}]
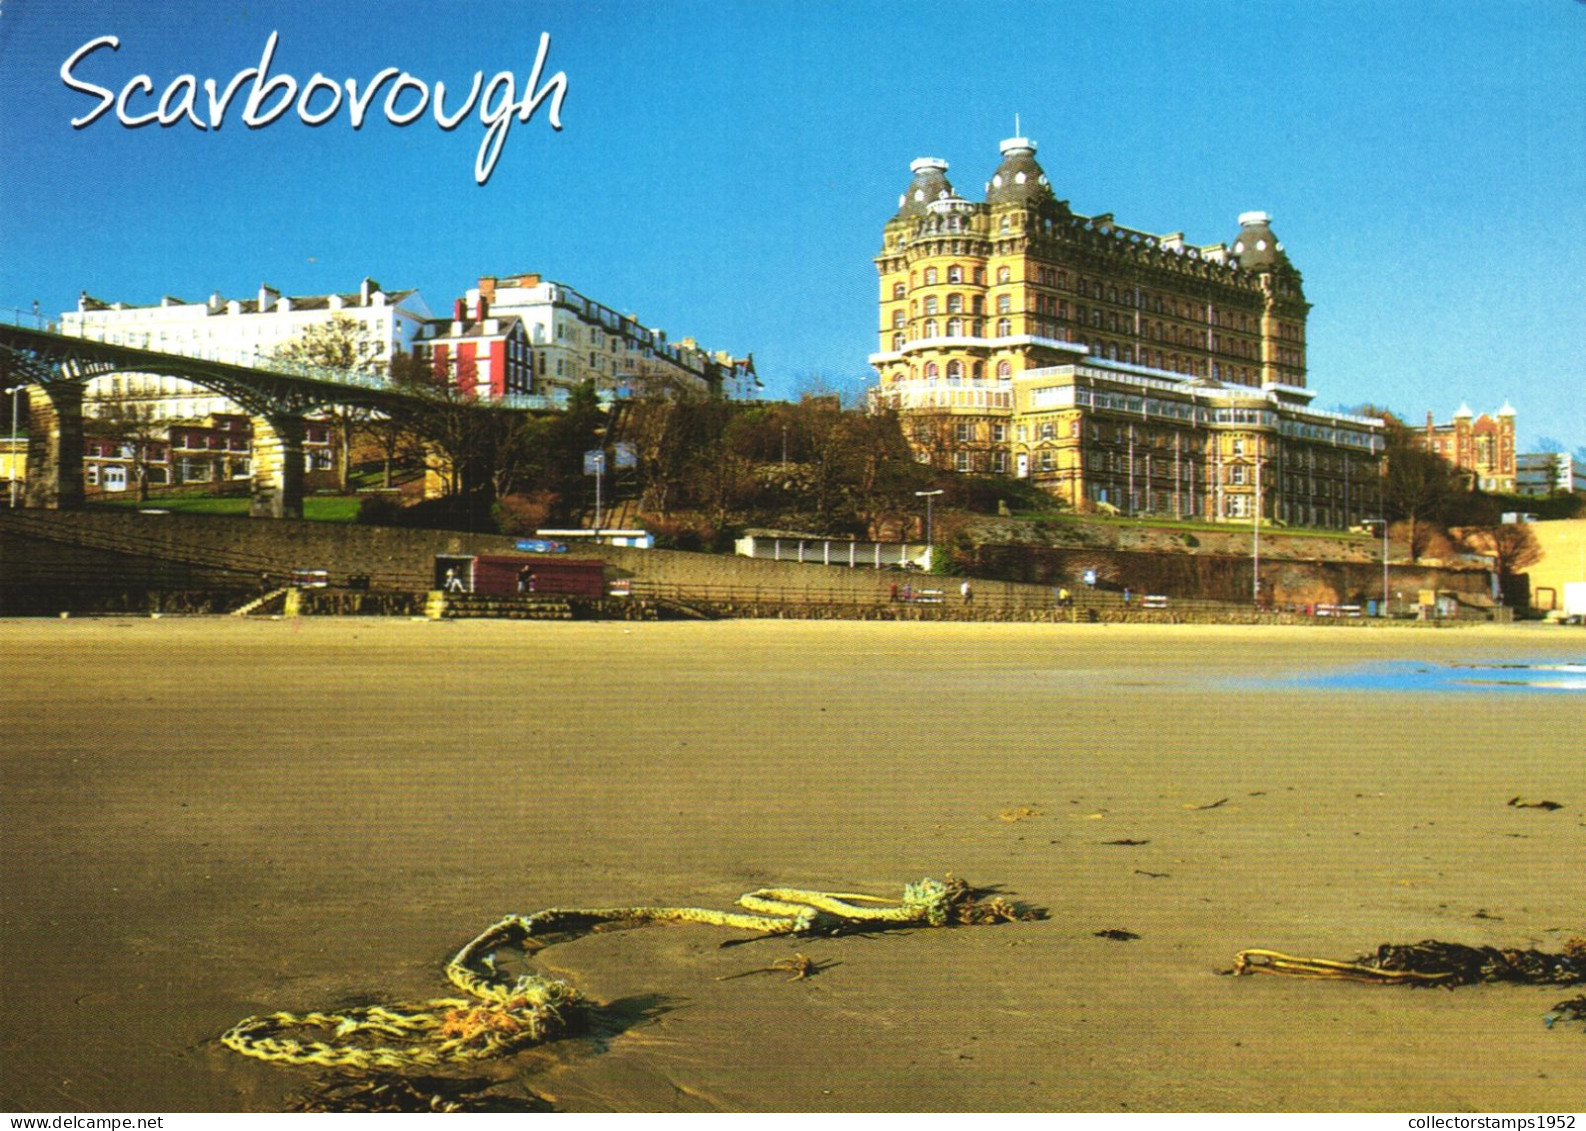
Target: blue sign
[{"x": 541, "y": 546}]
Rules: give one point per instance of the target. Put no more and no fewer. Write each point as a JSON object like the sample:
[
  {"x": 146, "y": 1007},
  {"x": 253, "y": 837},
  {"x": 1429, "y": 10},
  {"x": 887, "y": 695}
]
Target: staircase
[{"x": 259, "y": 602}]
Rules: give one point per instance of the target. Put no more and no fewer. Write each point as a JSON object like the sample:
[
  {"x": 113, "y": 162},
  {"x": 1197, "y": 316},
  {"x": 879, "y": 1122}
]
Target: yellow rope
[{"x": 504, "y": 1016}]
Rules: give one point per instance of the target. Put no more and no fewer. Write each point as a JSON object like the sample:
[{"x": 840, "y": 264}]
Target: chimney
[
  {"x": 459, "y": 310},
  {"x": 267, "y": 296},
  {"x": 487, "y": 286},
  {"x": 484, "y": 307}
]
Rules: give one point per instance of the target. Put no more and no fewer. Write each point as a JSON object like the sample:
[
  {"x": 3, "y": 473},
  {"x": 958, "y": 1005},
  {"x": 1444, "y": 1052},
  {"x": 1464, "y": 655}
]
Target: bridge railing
[
  {"x": 247, "y": 358},
  {"x": 33, "y": 319},
  {"x": 243, "y": 358}
]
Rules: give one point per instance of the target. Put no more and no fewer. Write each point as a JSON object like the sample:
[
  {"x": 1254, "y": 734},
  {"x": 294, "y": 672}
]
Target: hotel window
[
  {"x": 930, "y": 276},
  {"x": 931, "y": 371},
  {"x": 930, "y": 327},
  {"x": 999, "y": 462},
  {"x": 1046, "y": 461},
  {"x": 980, "y": 368},
  {"x": 955, "y": 274},
  {"x": 1004, "y": 369},
  {"x": 1004, "y": 327},
  {"x": 930, "y": 304},
  {"x": 1004, "y": 275},
  {"x": 999, "y": 433},
  {"x": 963, "y": 433},
  {"x": 955, "y": 327},
  {"x": 897, "y": 341},
  {"x": 955, "y": 370},
  {"x": 1048, "y": 430},
  {"x": 961, "y": 461},
  {"x": 955, "y": 303},
  {"x": 897, "y": 319},
  {"x": 898, "y": 290},
  {"x": 1004, "y": 304}
]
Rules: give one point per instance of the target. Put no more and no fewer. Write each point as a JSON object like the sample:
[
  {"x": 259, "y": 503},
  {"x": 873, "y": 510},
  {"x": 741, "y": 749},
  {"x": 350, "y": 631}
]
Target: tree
[
  {"x": 1512, "y": 546},
  {"x": 341, "y": 343},
  {"x": 1418, "y": 486},
  {"x": 137, "y": 428}
]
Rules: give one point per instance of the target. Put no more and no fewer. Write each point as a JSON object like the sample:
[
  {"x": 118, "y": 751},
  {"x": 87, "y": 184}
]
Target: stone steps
[{"x": 454, "y": 606}]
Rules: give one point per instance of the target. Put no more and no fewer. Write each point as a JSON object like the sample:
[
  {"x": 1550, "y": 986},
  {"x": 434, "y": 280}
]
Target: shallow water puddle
[{"x": 1420, "y": 675}]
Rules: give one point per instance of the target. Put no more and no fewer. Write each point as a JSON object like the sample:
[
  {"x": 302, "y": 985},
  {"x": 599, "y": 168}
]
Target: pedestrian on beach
[
  {"x": 1126, "y": 594},
  {"x": 1064, "y": 598},
  {"x": 893, "y": 596},
  {"x": 454, "y": 582},
  {"x": 966, "y": 592}
]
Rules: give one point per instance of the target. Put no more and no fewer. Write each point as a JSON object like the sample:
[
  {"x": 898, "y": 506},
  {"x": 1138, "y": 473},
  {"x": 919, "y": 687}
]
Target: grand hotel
[{"x": 1118, "y": 369}]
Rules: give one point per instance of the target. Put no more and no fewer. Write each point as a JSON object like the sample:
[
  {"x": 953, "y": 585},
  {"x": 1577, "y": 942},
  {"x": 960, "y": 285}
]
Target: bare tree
[
  {"x": 1418, "y": 486},
  {"x": 1512, "y": 546},
  {"x": 137, "y": 428},
  {"x": 341, "y": 343}
]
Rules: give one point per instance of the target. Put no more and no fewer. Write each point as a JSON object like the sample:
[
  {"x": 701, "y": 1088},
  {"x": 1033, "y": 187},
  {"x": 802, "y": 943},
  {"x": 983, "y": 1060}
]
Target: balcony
[{"x": 970, "y": 396}]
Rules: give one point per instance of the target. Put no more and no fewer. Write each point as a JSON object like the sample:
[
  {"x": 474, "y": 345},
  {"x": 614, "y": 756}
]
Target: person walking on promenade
[{"x": 966, "y": 592}]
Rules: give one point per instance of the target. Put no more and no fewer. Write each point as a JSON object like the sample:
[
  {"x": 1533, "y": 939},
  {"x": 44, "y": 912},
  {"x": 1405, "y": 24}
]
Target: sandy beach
[{"x": 209, "y": 818}]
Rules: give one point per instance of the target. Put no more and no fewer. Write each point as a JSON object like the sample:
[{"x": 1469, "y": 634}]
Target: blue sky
[{"x": 723, "y": 170}]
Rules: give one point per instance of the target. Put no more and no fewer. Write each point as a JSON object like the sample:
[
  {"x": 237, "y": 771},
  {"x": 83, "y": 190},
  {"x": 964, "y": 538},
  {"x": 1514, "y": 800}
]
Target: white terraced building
[{"x": 240, "y": 331}]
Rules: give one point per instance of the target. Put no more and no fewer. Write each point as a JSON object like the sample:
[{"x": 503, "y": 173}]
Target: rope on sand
[{"x": 501, "y": 1015}]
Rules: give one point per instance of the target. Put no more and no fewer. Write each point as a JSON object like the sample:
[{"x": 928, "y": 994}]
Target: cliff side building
[
  {"x": 575, "y": 339},
  {"x": 1544, "y": 473},
  {"x": 1480, "y": 447},
  {"x": 232, "y": 330},
  {"x": 1116, "y": 368}
]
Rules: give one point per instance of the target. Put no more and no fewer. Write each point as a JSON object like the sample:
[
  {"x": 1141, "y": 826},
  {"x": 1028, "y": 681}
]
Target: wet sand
[{"x": 205, "y": 819}]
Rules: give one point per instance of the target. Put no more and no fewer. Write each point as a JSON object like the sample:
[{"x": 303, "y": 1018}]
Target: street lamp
[
  {"x": 1382, "y": 522},
  {"x": 928, "y": 495},
  {"x": 13, "y": 392}
]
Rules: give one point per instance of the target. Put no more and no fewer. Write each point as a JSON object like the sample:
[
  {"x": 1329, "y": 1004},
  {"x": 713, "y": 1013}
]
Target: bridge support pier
[
  {"x": 277, "y": 466},
  {"x": 55, "y": 446}
]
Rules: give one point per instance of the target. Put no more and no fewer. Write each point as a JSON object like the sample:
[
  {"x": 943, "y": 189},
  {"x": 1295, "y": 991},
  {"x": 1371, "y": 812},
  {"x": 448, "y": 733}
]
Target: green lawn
[{"x": 316, "y": 508}]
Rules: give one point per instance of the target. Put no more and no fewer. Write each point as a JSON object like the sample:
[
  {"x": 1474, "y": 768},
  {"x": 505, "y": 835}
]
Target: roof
[
  {"x": 1256, "y": 247},
  {"x": 930, "y": 184},
  {"x": 1019, "y": 179}
]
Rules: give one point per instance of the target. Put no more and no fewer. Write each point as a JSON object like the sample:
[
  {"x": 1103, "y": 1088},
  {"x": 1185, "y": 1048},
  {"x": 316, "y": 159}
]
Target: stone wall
[{"x": 255, "y": 554}]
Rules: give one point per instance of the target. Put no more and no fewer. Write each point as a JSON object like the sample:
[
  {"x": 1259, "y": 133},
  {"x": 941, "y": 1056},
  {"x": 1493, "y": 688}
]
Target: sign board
[
  {"x": 594, "y": 462},
  {"x": 624, "y": 456},
  {"x": 540, "y": 546},
  {"x": 1090, "y": 577}
]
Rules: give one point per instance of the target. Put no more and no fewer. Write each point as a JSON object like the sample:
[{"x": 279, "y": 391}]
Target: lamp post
[
  {"x": 1255, "y": 537},
  {"x": 13, "y": 392},
  {"x": 1382, "y": 522},
  {"x": 928, "y": 496}
]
